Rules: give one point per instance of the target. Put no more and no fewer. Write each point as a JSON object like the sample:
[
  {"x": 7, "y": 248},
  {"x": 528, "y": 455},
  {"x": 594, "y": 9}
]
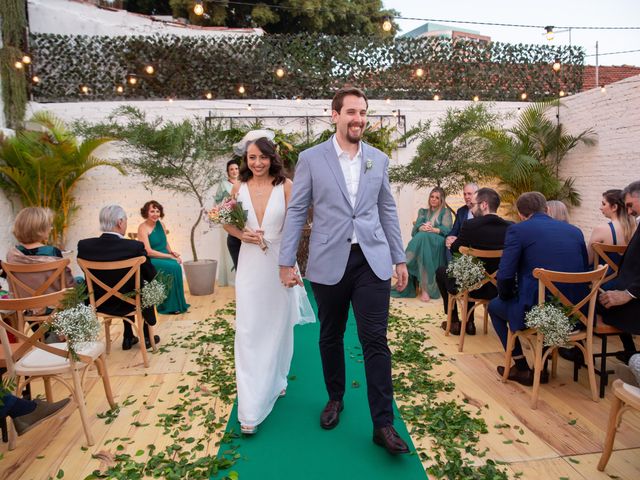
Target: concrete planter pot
[{"x": 201, "y": 276}]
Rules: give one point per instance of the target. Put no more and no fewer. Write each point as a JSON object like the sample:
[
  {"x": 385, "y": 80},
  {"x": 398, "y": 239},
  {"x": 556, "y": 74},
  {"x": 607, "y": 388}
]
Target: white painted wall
[
  {"x": 71, "y": 17},
  {"x": 615, "y": 161}
]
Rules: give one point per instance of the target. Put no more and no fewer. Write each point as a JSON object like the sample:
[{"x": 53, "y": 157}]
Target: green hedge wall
[{"x": 314, "y": 65}]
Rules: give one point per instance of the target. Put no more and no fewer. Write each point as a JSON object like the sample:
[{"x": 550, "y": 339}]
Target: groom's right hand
[{"x": 289, "y": 277}]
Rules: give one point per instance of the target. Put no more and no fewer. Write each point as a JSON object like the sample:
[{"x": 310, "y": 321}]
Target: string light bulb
[
  {"x": 249, "y": 107},
  {"x": 476, "y": 98},
  {"x": 561, "y": 93},
  {"x": 387, "y": 100},
  {"x": 241, "y": 89},
  {"x": 436, "y": 97},
  {"x": 556, "y": 65},
  {"x": 208, "y": 95},
  {"x": 19, "y": 65},
  {"x": 550, "y": 36},
  {"x": 298, "y": 99},
  {"x": 394, "y": 113},
  {"x": 603, "y": 89},
  {"x": 198, "y": 8},
  {"x": 170, "y": 99},
  {"x": 523, "y": 96},
  {"x": 387, "y": 25},
  {"x": 35, "y": 79},
  {"x": 119, "y": 89},
  {"x": 26, "y": 59},
  {"x": 149, "y": 70},
  {"x": 279, "y": 72},
  {"x": 132, "y": 79},
  {"x": 419, "y": 72},
  {"x": 84, "y": 89}
]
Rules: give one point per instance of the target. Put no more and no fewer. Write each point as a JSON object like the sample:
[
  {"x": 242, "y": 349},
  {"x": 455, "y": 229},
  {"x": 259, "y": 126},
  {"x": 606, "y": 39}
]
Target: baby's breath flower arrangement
[
  {"x": 467, "y": 271},
  {"x": 75, "y": 321},
  {"x": 552, "y": 322},
  {"x": 155, "y": 292}
]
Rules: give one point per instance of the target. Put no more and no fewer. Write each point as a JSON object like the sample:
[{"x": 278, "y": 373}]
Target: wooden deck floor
[{"x": 561, "y": 439}]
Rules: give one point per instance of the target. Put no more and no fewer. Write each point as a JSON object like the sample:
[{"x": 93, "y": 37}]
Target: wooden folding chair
[
  {"x": 133, "y": 266},
  {"x": 602, "y": 330},
  {"x": 36, "y": 359},
  {"x": 625, "y": 397},
  {"x": 17, "y": 274},
  {"x": 466, "y": 296},
  {"x": 582, "y": 339}
]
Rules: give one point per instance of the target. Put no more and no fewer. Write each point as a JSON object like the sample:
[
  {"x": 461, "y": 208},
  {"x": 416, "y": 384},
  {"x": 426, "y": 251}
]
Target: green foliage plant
[
  {"x": 181, "y": 157},
  {"x": 41, "y": 168},
  {"x": 527, "y": 156},
  {"x": 13, "y": 24},
  {"x": 449, "y": 155}
]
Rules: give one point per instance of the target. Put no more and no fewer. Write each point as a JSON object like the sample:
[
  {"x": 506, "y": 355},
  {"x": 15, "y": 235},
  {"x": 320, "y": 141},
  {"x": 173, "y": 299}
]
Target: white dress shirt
[{"x": 351, "y": 170}]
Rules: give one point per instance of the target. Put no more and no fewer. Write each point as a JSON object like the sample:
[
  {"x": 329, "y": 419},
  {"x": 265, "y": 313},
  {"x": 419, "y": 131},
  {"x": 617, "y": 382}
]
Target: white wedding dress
[{"x": 266, "y": 313}]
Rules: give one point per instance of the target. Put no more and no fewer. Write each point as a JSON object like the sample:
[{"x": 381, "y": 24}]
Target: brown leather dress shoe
[
  {"x": 455, "y": 327},
  {"x": 524, "y": 377},
  {"x": 470, "y": 328},
  {"x": 330, "y": 416},
  {"x": 388, "y": 438}
]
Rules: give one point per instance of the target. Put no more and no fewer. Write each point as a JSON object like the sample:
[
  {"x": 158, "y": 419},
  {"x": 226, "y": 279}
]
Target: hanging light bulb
[
  {"x": 249, "y": 107},
  {"x": 549, "y": 34},
  {"x": 476, "y": 98},
  {"x": 561, "y": 93},
  {"x": 298, "y": 99},
  {"x": 26, "y": 59},
  {"x": 208, "y": 95},
  {"x": 198, "y": 8},
  {"x": 523, "y": 96},
  {"x": 419, "y": 72},
  {"x": 394, "y": 113},
  {"x": 556, "y": 65},
  {"x": 132, "y": 79},
  {"x": 35, "y": 79},
  {"x": 280, "y": 72},
  {"x": 603, "y": 89},
  {"x": 18, "y": 65},
  {"x": 149, "y": 70},
  {"x": 170, "y": 99},
  {"x": 387, "y": 101},
  {"x": 436, "y": 97},
  {"x": 387, "y": 25},
  {"x": 119, "y": 89},
  {"x": 84, "y": 89},
  {"x": 241, "y": 89}
]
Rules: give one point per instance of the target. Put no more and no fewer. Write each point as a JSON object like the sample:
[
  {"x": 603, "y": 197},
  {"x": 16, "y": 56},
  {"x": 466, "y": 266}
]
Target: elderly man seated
[{"x": 111, "y": 246}]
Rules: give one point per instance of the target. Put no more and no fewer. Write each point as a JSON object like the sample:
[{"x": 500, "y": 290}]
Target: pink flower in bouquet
[{"x": 229, "y": 212}]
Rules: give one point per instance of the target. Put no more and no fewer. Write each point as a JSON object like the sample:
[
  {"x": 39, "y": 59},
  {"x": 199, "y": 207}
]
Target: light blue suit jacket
[{"x": 319, "y": 182}]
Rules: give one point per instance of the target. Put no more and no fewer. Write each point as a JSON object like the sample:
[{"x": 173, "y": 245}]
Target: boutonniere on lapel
[{"x": 368, "y": 165}]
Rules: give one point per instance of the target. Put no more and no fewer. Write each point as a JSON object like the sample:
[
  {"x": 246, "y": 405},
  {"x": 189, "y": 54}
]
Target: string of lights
[{"x": 612, "y": 53}]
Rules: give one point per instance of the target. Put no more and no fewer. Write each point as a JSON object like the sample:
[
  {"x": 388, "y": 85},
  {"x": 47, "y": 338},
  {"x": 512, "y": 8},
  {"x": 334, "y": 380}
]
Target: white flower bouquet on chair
[
  {"x": 467, "y": 271},
  {"x": 552, "y": 321},
  {"x": 156, "y": 291}
]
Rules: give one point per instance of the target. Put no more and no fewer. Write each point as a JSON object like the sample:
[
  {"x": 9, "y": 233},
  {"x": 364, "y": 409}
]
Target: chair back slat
[
  {"x": 18, "y": 272},
  {"x": 482, "y": 255},
  {"x": 133, "y": 266},
  {"x": 603, "y": 251},
  {"x": 547, "y": 280}
]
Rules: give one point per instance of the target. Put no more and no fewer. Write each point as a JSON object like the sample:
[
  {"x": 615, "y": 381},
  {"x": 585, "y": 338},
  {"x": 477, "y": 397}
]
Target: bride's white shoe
[
  {"x": 282, "y": 393},
  {"x": 248, "y": 429}
]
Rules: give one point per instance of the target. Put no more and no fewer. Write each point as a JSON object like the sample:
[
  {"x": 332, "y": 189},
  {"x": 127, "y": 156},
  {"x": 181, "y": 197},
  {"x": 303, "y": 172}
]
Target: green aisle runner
[{"x": 290, "y": 443}]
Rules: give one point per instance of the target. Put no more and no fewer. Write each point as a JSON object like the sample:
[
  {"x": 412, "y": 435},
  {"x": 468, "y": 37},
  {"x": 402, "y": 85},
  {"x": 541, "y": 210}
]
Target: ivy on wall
[
  {"x": 313, "y": 66},
  {"x": 13, "y": 21}
]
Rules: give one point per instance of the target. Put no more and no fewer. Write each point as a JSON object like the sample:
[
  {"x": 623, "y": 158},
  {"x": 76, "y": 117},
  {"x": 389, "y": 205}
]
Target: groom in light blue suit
[{"x": 355, "y": 241}]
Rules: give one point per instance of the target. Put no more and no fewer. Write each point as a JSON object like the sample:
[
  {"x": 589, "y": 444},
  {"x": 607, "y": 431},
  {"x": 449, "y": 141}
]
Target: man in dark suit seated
[
  {"x": 462, "y": 215},
  {"x": 621, "y": 308},
  {"x": 485, "y": 231},
  {"x": 538, "y": 241},
  {"x": 111, "y": 246}
]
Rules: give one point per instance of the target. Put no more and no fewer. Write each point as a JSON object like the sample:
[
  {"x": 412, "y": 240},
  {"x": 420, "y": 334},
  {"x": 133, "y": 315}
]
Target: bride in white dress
[{"x": 266, "y": 311}]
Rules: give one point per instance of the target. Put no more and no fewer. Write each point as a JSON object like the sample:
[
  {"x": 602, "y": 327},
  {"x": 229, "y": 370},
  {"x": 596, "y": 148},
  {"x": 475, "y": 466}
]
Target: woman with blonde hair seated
[
  {"x": 31, "y": 228},
  {"x": 558, "y": 210}
]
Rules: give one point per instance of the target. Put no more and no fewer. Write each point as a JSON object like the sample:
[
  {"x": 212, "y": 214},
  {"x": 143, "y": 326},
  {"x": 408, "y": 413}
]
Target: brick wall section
[
  {"x": 615, "y": 161},
  {"x": 606, "y": 75}
]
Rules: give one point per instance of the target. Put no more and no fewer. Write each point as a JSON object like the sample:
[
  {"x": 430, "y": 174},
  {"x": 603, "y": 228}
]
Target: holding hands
[{"x": 289, "y": 277}]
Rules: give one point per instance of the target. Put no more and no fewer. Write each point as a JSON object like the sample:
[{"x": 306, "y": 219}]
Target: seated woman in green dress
[
  {"x": 426, "y": 250},
  {"x": 151, "y": 232}
]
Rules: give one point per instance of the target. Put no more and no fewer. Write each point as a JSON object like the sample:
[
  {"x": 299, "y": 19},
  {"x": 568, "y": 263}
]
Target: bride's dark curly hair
[{"x": 276, "y": 169}]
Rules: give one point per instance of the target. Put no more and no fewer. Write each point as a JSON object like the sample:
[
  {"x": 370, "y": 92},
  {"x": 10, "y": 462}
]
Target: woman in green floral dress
[{"x": 426, "y": 250}]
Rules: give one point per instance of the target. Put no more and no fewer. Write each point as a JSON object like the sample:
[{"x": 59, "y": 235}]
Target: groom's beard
[{"x": 355, "y": 138}]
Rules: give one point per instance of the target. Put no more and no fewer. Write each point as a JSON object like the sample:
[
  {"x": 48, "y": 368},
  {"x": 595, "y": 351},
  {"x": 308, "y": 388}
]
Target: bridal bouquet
[
  {"x": 75, "y": 321},
  {"x": 229, "y": 212},
  {"x": 467, "y": 271},
  {"x": 552, "y": 321}
]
